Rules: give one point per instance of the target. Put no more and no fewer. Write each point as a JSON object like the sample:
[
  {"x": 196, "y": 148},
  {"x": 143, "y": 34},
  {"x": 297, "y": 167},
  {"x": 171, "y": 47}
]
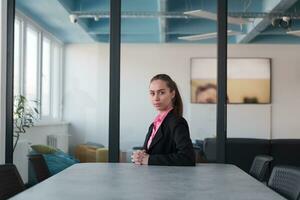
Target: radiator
[{"x": 52, "y": 141}]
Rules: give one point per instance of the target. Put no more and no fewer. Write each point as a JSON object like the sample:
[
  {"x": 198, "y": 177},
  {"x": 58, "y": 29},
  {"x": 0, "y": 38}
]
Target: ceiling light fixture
[
  {"x": 214, "y": 16},
  {"x": 206, "y": 36},
  {"x": 295, "y": 33}
]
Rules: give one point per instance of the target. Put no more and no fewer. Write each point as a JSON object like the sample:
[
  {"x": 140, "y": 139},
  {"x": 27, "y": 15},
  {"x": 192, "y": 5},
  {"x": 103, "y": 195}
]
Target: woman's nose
[{"x": 156, "y": 97}]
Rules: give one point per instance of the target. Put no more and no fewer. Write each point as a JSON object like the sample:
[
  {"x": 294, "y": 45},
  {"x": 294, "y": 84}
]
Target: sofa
[
  {"x": 241, "y": 151},
  {"x": 285, "y": 152},
  {"x": 92, "y": 152}
]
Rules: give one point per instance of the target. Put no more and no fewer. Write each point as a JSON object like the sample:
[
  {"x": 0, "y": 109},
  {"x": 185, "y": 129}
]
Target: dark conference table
[{"x": 126, "y": 181}]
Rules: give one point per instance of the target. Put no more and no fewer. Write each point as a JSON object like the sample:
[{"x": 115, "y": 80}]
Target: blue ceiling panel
[
  {"x": 195, "y": 26},
  {"x": 211, "y": 5},
  {"x": 191, "y": 26},
  {"x": 154, "y": 38},
  {"x": 99, "y": 27},
  {"x": 295, "y": 8},
  {"x": 191, "y": 5},
  {"x": 157, "y": 21},
  {"x": 104, "y": 5},
  {"x": 54, "y": 19},
  {"x": 270, "y": 5},
  {"x": 140, "y": 26},
  {"x": 140, "y": 5},
  {"x": 91, "y": 5},
  {"x": 245, "y": 6},
  {"x": 131, "y": 38},
  {"x": 276, "y": 39},
  {"x": 128, "y": 26},
  {"x": 69, "y": 4},
  {"x": 102, "y": 38}
]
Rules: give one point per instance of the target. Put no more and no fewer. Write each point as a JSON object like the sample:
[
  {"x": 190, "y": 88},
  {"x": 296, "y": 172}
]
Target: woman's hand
[
  {"x": 140, "y": 157},
  {"x": 137, "y": 156},
  {"x": 145, "y": 159}
]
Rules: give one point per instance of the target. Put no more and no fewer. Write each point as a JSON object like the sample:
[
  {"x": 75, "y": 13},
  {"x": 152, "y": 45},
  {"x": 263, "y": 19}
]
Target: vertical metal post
[
  {"x": 114, "y": 82},
  {"x": 222, "y": 82},
  {"x": 9, "y": 81}
]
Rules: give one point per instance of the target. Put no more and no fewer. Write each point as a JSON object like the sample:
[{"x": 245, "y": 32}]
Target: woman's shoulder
[{"x": 173, "y": 119}]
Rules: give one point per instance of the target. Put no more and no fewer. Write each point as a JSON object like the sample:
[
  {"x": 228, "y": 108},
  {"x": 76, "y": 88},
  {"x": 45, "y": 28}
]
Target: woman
[{"x": 168, "y": 140}]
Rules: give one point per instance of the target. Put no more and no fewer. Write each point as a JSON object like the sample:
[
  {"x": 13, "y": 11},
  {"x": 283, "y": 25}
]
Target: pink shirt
[{"x": 156, "y": 124}]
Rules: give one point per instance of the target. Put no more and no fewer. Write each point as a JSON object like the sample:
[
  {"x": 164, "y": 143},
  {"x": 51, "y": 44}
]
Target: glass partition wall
[
  {"x": 61, "y": 73},
  {"x": 262, "y": 85},
  {"x": 168, "y": 37},
  {"x": 61, "y": 83}
]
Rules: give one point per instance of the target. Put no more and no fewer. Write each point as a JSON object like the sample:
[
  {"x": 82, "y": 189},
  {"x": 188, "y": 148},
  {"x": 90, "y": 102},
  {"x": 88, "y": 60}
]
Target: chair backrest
[
  {"x": 40, "y": 167},
  {"x": 260, "y": 167},
  {"x": 209, "y": 149},
  {"x": 10, "y": 181},
  {"x": 286, "y": 181}
]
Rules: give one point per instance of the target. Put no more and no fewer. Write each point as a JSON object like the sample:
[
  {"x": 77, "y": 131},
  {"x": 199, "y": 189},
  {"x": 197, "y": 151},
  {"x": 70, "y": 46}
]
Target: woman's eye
[{"x": 161, "y": 92}]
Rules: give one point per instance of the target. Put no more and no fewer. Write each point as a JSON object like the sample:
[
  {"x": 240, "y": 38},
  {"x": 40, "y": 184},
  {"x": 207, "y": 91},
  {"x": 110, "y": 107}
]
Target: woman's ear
[{"x": 173, "y": 94}]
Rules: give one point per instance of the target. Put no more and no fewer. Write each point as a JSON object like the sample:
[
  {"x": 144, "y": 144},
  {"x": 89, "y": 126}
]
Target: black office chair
[
  {"x": 260, "y": 167},
  {"x": 11, "y": 182},
  {"x": 40, "y": 167},
  {"x": 286, "y": 181}
]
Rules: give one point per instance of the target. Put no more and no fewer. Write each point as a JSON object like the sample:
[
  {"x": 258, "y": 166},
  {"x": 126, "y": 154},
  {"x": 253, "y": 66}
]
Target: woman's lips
[{"x": 157, "y": 104}]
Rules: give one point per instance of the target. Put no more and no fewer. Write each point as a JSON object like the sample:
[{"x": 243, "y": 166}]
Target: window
[
  {"x": 37, "y": 67},
  {"x": 46, "y": 77},
  {"x": 17, "y": 57},
  {"x": 31, "y": 66},
  {"x": 56, "y": 81}
]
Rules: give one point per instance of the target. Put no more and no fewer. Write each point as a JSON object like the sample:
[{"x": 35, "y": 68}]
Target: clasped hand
[{"x": 140, "y": 157}]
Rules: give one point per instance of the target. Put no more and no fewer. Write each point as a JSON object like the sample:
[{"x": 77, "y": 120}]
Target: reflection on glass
[{"x": 248, "y": 81}]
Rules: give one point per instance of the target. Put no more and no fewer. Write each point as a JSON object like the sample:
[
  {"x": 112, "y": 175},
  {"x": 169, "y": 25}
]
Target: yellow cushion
[
  {"x": 85, "y": 153},
  {"x": 43, "y": 149},
  {"x": 102, "y": 155}
]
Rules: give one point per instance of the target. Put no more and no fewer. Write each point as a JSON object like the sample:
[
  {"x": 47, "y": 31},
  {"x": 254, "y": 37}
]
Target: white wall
[
  {"x": 2, "y": 77},
  {"x": 85, "y": 99},
  {"x": 86, "y": 92}
]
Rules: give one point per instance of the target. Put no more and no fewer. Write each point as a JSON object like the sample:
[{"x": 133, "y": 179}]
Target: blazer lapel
[
  {"x": 159, "y": 133},
  {"x": 157, "y": 136},
  {"x": 148, "y": 136}
]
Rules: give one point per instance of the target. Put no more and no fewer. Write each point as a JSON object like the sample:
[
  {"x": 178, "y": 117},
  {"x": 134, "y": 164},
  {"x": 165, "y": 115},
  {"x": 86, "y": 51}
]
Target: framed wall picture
[{"x": 249, "y": 80}]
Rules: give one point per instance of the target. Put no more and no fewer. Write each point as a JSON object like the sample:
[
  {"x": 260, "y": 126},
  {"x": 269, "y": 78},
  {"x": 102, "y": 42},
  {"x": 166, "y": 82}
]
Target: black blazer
[{"x": 172, "y": 144}]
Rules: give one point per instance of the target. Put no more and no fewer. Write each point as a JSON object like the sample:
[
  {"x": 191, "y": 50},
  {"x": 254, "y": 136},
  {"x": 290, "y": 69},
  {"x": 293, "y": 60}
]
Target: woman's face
[{"x": 160, "y": 95}]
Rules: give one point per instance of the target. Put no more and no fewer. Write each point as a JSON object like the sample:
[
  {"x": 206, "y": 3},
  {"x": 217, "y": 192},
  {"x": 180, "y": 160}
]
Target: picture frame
[{"x": 248, "y": 82}]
